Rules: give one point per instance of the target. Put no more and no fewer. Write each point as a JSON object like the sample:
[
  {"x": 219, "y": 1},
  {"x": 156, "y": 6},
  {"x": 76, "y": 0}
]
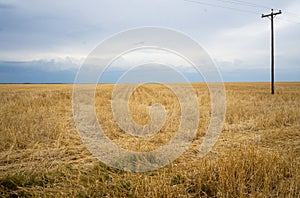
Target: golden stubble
[{"x": 257, "y": 154}]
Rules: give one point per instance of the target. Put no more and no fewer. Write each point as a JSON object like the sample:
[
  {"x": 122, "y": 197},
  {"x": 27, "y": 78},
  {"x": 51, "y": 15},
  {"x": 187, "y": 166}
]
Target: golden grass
[{"x": 257, "y": 154}]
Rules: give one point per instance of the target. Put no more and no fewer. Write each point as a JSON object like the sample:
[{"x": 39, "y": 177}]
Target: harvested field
[{"x": 257, "y": 154}]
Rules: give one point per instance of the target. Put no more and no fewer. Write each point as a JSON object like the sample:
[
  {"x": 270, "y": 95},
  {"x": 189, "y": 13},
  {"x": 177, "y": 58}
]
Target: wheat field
[{"x": 256, "y": 155}]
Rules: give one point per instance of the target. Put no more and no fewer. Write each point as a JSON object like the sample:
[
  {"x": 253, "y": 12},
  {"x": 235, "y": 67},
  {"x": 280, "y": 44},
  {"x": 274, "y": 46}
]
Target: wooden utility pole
[{"x": 271, "y": 16}]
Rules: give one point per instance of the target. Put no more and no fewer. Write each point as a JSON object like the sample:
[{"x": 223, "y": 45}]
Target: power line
[
  {"x": 246, "y": 3},
  {"x": 220, "y": 6},
  {"x": 243, "y": 3}
]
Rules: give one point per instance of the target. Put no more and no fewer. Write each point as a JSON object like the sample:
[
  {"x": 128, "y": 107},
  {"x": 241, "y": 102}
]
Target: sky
[{"x": 47, "y": 41}]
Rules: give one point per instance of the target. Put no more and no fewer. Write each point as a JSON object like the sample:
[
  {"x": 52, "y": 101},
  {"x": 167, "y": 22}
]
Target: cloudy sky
[{"x": 47, "y": 41}]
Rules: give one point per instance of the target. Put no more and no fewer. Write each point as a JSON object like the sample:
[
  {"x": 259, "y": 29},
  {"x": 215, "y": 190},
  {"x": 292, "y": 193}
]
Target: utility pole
[{"x": 271, "y": 16}]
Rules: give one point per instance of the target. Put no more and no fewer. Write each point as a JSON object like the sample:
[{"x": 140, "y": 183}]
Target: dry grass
[{"x": 257, "y": 154}]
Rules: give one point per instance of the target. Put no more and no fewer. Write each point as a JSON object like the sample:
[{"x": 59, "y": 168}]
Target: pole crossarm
[{"x": 271, "y": 14}]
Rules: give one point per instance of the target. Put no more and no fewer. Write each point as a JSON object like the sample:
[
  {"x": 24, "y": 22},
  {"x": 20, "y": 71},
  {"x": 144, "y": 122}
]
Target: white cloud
[
  {"x": 56, "y": 30},
  {"x": 144, "y": 56}
]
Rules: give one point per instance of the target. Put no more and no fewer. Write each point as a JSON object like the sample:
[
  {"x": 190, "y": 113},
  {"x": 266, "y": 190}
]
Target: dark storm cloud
[
  {"x": 36, "y": 72},
  {"x": 6, "y": 6}
]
